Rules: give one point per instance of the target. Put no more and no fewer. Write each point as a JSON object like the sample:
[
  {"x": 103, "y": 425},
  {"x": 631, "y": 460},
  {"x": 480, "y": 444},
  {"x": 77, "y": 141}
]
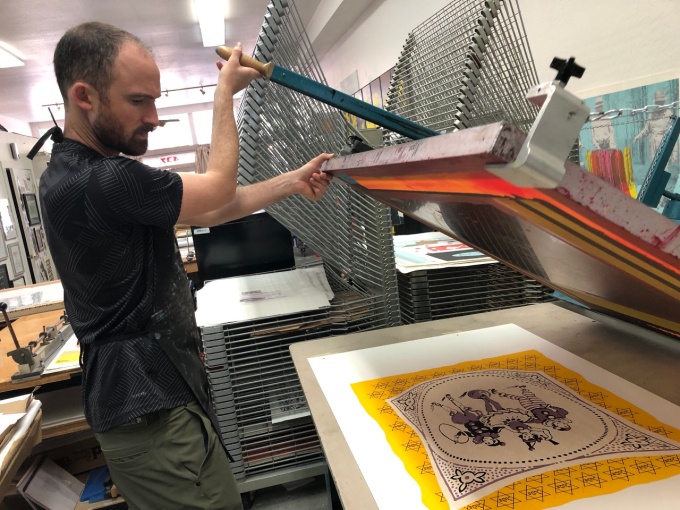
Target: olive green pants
[{"x": 170, "y": 460}]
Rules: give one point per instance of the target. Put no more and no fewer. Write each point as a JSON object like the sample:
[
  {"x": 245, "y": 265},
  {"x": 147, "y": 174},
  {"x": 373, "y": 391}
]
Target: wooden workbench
[
  {"x": 54, "y": 299},
  {"x": 27, "y": 328},
  {"x": 644, "y": 358},
  {"x": 190, "y": 267}
]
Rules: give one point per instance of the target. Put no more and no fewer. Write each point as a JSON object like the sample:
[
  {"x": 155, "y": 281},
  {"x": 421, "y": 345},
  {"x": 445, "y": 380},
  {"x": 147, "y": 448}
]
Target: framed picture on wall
[
  {"x": 5, "y": 283},
  {"x": 31, "y": 205},
  {"x": 15, "y": 258},
  {"x": 6, "y": 218},
  {"x": 40, "y": 235},
  {"x": 34, "y": 238}
]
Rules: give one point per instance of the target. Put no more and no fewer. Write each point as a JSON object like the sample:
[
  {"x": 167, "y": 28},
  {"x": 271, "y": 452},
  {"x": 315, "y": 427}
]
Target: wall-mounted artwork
[
  {"x": 15, "y": 259},
  {"x": 6, "y": 217},
  {"x": 37, "y": 242},
  {"x": 45, "y": 267},
  {"x": 31, "y": 206},
  {"x": 3, "y": 250},
  {"x": 24, "y": 180},
  {"x": 42, "y": 270},
  {"x": 620, "y": 147},
  {"x": 40, "y": 235},
  {"x": 5, "y": 282}
]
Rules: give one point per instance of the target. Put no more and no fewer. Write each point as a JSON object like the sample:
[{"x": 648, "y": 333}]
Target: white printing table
[{"x": 646, "y": 359}]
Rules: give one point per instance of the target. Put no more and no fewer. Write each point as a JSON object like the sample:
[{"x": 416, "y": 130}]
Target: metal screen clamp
[
  {"x": 34, "y": 358},
  {"x": 540, "y": 162}
]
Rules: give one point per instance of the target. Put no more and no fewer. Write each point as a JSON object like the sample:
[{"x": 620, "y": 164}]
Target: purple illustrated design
[{"x": 487, "y": 428}]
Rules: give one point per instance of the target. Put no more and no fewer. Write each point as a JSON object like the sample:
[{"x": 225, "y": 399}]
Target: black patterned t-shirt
[{"x": 107, "y": 220}]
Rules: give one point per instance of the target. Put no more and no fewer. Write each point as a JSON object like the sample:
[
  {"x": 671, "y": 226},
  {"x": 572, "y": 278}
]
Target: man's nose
[{"x": 151, "y": 117}]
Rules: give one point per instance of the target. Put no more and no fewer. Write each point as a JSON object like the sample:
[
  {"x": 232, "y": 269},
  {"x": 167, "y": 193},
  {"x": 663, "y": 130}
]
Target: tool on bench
[
  {"x": 333, "y": 97},
  {"x": 32, "y": 359}
]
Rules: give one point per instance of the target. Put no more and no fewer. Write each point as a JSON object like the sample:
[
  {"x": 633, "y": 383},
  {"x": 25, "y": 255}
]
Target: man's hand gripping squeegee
[{"x": 332, "y": 97}]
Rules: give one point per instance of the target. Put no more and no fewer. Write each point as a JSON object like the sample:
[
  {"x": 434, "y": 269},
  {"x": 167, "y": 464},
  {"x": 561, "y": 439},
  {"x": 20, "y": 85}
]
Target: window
[
  {"x": 203, "y": 126},
  {"x": 173, "y": 134},
  {"x": 181, "y": 159}
]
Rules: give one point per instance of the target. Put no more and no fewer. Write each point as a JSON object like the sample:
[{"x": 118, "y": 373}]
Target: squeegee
[{"x": 332, "y": 97}]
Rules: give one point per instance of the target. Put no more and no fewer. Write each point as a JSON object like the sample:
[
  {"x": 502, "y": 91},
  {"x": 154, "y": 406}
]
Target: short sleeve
[{"x": 138, "y": 193}]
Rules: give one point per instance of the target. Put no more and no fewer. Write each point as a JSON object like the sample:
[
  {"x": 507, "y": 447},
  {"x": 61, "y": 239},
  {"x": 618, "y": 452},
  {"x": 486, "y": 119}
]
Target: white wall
[
  {"x": 373, "y": 44},
  {"x": 622, "y": 43},
  {"x": 15, "y": 126},
  {"x": 24, "y": 145}
]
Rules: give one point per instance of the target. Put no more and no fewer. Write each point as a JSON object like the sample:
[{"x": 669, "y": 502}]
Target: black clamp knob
[{"x": 566, "y": 69}]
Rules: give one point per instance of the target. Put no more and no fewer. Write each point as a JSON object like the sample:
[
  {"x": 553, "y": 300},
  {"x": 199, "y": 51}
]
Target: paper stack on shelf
[
  {"x": 262, "y": 412},
  {"x": 19, "y": 435},
  {"x": 440, "y": 277},
  {"x": 47, "y": 485},
  {"x": 11, "y": 411},
  {"x": 247, "y": 324},
  {"x": 433, "y": 250}
]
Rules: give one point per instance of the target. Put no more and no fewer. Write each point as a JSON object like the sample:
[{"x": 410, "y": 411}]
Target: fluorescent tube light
[
  {"x": 9, "y": 57},
  {"x": 210, "y": 14}
]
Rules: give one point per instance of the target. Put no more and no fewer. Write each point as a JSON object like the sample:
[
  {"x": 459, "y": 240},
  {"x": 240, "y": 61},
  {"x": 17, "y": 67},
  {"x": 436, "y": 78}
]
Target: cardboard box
[
  {"x": 80, "y": 457},
  {"x": 11, "y": 411}
]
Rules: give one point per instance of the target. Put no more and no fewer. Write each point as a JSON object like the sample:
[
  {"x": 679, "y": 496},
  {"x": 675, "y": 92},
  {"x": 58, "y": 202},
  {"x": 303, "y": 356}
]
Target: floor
[{"x": 311, "y": 496}]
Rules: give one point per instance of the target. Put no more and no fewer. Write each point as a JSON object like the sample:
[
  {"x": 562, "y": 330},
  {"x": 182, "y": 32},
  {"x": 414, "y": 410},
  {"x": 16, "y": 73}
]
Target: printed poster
[
  {"x": 499, "y": 418},
  {"x": 621, "y": 149}
]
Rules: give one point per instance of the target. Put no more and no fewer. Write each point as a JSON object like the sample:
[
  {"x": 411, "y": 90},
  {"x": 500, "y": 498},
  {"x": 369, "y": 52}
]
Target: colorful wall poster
[{"x": 620, "y": 147}]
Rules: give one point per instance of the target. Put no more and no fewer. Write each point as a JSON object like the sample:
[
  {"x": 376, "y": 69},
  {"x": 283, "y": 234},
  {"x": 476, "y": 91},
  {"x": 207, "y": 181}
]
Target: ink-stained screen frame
[{"x": 584, "y": 238}]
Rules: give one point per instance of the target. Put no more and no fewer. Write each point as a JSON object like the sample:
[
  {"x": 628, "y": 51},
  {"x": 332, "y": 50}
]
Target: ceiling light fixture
[
  {"x": 166, "y": 93},
  {"x": 9, "y": 57},
  {"x": 210, "y": 15}
]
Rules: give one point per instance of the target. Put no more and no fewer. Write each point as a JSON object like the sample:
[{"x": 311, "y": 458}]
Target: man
[
  {"x": 602, "y": 130},
  {"x": 656, "y": 126},
  {"x": 109, "y": 222}
]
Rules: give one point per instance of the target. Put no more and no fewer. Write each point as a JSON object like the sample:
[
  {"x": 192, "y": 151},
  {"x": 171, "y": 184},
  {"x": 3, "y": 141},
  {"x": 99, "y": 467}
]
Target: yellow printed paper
[{"x": 521, "y": 418}]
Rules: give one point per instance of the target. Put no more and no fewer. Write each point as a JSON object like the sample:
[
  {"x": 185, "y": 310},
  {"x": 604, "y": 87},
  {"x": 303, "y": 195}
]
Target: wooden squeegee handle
[{"x": 246, "y": 61}]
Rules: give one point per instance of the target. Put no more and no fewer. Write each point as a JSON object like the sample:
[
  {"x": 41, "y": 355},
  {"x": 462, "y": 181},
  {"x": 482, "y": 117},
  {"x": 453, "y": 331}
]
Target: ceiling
[{"x": 170, "y": 27}]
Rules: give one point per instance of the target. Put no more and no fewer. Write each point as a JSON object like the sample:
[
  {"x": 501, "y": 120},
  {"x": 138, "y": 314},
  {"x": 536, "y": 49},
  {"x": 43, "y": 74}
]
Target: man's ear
[{"x": 83, "y": 96}]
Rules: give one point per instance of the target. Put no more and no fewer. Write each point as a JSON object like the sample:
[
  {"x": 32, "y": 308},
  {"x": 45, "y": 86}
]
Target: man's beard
[{"x": 110, "y": 133}]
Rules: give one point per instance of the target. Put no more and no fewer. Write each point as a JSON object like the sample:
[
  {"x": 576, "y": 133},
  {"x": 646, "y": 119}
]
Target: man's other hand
[
  {"x": 309, "y": 181},
  {"x": 233, "y": 76}
]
